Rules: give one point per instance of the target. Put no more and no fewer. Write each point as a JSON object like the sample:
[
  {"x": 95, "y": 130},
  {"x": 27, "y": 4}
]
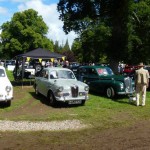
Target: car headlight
[
  {"x": 86, "y": 88},
  {"x": 121, "y": 86},
  {"x": 60, "y": 89},
  {"x": 8, "y": 88}
]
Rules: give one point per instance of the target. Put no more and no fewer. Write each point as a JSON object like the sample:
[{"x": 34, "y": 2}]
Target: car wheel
[
  {"x": 110, "y": 93},
  {"x": 36, "y": 90},
  {"x": 51, "y": 99},
  {"x": 8, "y": 103}
]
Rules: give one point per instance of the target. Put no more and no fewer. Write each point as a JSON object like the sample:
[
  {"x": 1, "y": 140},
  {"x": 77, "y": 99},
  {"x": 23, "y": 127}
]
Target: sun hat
[{"x": 141, "y": 64}]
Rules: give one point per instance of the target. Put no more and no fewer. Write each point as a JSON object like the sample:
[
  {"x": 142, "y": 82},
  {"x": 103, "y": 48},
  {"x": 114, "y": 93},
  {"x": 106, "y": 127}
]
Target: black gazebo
[{"x": 36, "y": 54}]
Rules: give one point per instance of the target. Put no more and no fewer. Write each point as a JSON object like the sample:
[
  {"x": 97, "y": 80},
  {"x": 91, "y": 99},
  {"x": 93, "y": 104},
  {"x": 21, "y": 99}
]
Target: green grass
[{"x": 10, "y": 75}]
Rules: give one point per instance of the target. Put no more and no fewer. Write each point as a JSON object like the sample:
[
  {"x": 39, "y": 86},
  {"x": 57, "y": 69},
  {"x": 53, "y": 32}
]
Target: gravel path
[{"x": 37, "y": 126}]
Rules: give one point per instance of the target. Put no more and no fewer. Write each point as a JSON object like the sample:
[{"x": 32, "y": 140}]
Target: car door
[
  {"x": 44, "y": 82},
  {"x": 100, "y": 82},
  {"x": 93, "y": 79},
  {"x": 84, "y": 75},
  {"x": 92, "y": 75}
]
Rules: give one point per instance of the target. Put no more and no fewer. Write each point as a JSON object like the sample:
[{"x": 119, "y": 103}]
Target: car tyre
[
  {"x": 8, "y": 103},
  {"x": 83, "y": 103},
  {"x": 110, "y": 93},
  {"x": 36, "y": 90},
  {"x": 51, "y": 99}
]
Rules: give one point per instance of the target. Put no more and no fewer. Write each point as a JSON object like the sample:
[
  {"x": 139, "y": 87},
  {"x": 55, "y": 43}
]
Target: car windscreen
[
  {"x": 65, "y": 74},
  {"x": 2, "y": 73},
  {"x": 104, "y": 71}
]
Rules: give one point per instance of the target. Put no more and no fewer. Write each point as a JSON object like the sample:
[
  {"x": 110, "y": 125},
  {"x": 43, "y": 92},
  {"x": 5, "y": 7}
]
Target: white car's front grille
[{"x": 74, "y": 91}]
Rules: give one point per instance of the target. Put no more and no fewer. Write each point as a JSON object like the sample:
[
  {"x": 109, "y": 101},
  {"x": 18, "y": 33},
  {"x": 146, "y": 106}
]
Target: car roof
[
  {"x": 94, "y": 67},
  {"x": 55, "y": 68},
  {"x": 1, "y": 67}
]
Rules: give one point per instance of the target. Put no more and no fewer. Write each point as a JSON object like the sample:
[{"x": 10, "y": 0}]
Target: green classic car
[
  {"x": 101, "y": 79},
  {"x": 61, "y": 85}
]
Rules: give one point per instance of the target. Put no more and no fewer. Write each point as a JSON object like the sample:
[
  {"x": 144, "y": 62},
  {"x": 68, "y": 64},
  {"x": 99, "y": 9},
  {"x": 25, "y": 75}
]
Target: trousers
[{"x": 140, "y": 90}]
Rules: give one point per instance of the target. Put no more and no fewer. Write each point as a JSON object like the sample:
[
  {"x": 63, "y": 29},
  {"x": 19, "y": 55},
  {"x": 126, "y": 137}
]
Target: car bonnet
[
  {"x": 4, "y": 82},
  {"x": 69, "y": 83}
]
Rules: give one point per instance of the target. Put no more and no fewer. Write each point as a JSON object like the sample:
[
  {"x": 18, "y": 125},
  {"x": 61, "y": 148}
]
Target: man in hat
[{"x": 141, "y": 83}]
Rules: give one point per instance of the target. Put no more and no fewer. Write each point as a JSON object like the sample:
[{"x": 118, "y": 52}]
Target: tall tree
[
  {"x": 77, "y": 50},
  {"x": 66, "y": 46},
  {"x": 56, "y": 47},
  {"x": 92, "y": 44},
  {"x": 139, "y": 26},
  {"x": 129, "y": 25},
  {"x": 24, "y": 32},
  {"x": 117, "y": 51},
  {"x": 79, "y": 15}
]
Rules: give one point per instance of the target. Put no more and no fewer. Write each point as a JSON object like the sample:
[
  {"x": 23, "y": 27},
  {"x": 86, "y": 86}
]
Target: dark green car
[{"x": 101, "y": 79}]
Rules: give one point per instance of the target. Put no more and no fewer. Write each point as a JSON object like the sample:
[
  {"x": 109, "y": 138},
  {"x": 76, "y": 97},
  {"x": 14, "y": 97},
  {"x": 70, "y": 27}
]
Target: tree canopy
[
  {"x": 116, "y": 29},
  {"x": 26, "y": 31}
]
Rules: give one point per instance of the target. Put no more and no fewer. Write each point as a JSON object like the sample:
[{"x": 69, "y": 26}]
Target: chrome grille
[
  {"x": 74, "y": 91},
  {"x": 128, "y": 84}
]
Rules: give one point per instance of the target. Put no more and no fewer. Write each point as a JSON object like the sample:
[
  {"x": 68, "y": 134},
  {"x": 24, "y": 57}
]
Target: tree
[
  {"x": 56, "y": 47},
  {"x": 92, "y": 43},
  {"x": 75, "y": 14},
  {"x": 69, "y": 55},
  {"x": 139, "y": 26},
  {"x": 77, "y": 50},
  {"x": 26, "y": 31},
  {"x": 79, "y": 15},
  {"x": 128, "y": 38},
  {"x": 66, "y": 46}
]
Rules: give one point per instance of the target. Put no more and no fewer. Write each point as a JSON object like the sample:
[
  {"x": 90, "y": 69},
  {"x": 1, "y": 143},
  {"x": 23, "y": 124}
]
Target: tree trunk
[{"x": 114, "y": 66}]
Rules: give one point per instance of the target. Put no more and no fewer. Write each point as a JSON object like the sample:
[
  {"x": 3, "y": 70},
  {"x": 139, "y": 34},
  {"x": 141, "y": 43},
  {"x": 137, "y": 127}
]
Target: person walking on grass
[{"x": 141, "y": 83}]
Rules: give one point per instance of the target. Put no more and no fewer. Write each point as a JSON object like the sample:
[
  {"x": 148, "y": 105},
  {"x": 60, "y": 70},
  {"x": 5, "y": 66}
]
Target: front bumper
[
  {"x": 125, "y": 93},
  {"x": 69, "y": 98},
  {"x": 5, "y": 98}
]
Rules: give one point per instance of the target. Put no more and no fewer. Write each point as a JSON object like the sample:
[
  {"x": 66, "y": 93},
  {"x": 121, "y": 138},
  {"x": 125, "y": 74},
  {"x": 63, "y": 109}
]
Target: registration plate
[{"x": 75, "y": 102}]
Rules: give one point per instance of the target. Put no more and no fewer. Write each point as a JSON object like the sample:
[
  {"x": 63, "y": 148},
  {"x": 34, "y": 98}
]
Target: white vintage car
[
  {"x": 61, "y": 85},
  {"x": 6, "y": 88}
]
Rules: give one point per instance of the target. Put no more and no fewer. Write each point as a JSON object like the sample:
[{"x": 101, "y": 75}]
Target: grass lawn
[
  {"x": 109, "y": 122},
  {"x": 99, "y": 111}
]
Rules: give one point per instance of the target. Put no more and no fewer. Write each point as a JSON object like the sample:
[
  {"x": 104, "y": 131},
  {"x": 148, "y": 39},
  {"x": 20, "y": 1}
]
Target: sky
[{"x": 45, "y": 8}]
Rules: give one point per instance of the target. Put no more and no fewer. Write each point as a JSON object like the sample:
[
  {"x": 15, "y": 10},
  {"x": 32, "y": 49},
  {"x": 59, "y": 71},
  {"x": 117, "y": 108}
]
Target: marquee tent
[
  {"x": 41, "y": 53},
  {"x": 36, "y": 54}
]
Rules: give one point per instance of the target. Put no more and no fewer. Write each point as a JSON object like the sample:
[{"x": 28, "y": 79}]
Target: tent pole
[{"x": 23, "y": 62}]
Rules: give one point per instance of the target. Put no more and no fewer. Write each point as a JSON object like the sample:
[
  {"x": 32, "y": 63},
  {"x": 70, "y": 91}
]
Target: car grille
[
  {"x": 128, "y": 84},
  {"x": 74, "y": 91}
]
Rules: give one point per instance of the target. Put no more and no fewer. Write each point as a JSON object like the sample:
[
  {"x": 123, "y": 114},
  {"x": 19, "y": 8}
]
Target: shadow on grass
[
  {"x": 44, "y": 101},
  {"x": 122, "y": 99},
  {"x": 3, "y": 105},
  {"x": 23, "y": 83}
]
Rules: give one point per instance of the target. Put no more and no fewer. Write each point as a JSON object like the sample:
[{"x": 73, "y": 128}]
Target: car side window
[
  {"x": 53, "y": 75},
  {"x": 83, "y": 71},
  {"x": 44, "y": 74},
  {"x": 92, "y": 71},
  {"x": 2, "y": 73}
]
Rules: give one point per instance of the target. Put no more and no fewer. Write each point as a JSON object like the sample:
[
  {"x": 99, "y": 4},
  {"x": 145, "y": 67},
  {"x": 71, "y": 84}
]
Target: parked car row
[{"x": 62, "y": 85}]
